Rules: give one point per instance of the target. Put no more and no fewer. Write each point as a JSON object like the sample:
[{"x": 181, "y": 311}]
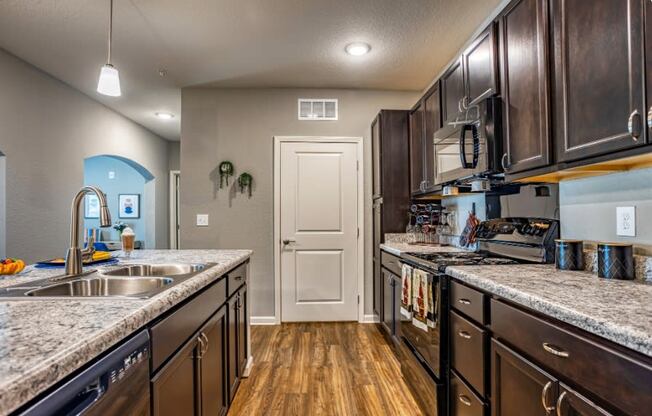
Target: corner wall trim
[
  {"x": 264, "y": 320},
  {"x": 369, "y": 319}
]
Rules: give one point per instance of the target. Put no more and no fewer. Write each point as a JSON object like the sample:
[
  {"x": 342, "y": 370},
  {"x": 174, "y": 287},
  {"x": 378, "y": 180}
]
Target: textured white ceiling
[{"x": 237, "y": 43}]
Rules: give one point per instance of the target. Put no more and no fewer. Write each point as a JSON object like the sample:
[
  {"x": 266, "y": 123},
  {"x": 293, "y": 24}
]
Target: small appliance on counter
[
  {"x": 569, "y": 254},
  {"x": 616, "y": 261}
]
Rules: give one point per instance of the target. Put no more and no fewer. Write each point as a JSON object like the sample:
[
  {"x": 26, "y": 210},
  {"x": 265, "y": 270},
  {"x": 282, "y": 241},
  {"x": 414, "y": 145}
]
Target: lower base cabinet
[
  {"x": 212, "y": 366},
  {"x": 174, "y": 387},
  {"x": 237, "y": 339}
]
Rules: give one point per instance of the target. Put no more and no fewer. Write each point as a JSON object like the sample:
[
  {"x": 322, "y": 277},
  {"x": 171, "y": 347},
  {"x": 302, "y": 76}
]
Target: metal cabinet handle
[
  {"x": 200, "y": 340},
  {"x": 634, "y": 125},
  {"x": 465, "y": 400},
  {"x": 555, "y": 350},
  {"x": 464, "y": 301},
  {"x": 544, "y": 397},
  {"x": 504, "y": 161},
  {"x": 649, "y": 118},
  {"x": 459, "y": 105},
  {"x": 206, "y": 345},
  {"x": 464, "y": 334},
  {"x": 560, "y": 402}
]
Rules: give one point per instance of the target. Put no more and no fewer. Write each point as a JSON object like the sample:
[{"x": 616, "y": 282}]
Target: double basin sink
[{"x": 131, "y": 281}]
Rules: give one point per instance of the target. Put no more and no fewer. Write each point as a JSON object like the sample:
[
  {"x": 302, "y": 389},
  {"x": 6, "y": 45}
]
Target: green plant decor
[
  {"x": 226, "y": 170},
  {"x": 245, "y": 181}
]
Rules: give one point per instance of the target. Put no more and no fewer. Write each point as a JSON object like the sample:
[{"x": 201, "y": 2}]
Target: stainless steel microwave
[{"x": 471, "y": 147}]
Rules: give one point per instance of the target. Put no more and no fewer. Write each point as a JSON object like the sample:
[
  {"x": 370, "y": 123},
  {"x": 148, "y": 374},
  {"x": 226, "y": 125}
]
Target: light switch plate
[
  {"x": 626, "y": 221},
  {"x": 202, "y": 220}
]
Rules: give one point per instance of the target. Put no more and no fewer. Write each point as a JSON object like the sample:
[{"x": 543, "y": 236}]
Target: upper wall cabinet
[
  {"x": 432, "y": 123},
  {"x": 523, "y": 28},
  {"x": 452, "y": 92},
  {"x": 599, "y": 95},
  {"x": 480, "y": 68},
  {"x": 416, "y": 149},
  {"x": 648, "y": 66}
]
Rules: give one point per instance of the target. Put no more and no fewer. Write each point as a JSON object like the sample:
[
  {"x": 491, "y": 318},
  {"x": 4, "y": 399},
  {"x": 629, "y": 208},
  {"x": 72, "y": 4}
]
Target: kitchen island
[{"x": 43, "y": 341}]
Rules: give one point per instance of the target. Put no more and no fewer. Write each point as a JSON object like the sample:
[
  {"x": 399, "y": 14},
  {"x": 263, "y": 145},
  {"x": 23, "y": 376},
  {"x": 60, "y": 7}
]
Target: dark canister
[
  {"x": 616, "y": 261},
  {"x": 569, "y": 254}
]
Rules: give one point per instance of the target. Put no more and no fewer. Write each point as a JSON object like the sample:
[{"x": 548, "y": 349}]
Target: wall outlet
[
  {"x": 202, "y": 220},
  {"x": 626, "y": 221}
]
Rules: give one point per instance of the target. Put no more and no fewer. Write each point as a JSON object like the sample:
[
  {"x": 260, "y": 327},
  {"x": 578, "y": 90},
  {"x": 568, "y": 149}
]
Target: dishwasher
[{"x": 117, "y": 384}]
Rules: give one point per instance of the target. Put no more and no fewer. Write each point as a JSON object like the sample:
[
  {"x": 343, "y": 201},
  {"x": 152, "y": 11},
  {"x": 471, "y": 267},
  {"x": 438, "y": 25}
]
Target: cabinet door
[
  {"x": 242, "y": 331},
  {"x": 432, "y": 113},
  {"x": 213, "y": 365},
  {"x": 416, "y": 149},
  {"x": 525, "y": 85},
  {"x": 648, "y": 66},
  {"x": 175, "y": 389},
  {"x": 571, "y": 403},
  {"x": 396, "y": 319},
  {"x": 518, "y": 387},
  {"x": 599, "y": 91},
  {"x": 480, "y": 68},
  {"x": 232, "y": 346},
  {"x": 376, "y": 157},
  {"x": 377, "y": 283},
  {"x": 452, "y": 92},
  {"x": 388, "y": 303}
]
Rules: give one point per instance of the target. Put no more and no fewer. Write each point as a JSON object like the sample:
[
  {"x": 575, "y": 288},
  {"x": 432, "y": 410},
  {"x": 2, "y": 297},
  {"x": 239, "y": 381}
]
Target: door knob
[{"x": 288, "y": 241}]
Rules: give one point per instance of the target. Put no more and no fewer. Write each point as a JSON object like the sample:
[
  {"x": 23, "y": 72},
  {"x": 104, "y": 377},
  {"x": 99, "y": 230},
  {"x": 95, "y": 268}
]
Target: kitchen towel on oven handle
[
  {"x": 406, "y": 291},
  {"x": 420, "y": 299}
]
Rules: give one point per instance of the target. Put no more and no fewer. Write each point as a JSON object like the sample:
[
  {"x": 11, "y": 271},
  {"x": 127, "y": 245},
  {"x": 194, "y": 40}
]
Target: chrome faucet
[{"x": 74, "y": 258}]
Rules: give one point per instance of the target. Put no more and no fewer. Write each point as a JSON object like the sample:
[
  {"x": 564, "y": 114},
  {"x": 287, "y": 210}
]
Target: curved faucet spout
[{"x": 74, "y": 256}]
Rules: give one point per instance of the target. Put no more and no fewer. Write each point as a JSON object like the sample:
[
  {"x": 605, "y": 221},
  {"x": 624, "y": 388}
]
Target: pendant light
[{"x": 109, "y": 83}]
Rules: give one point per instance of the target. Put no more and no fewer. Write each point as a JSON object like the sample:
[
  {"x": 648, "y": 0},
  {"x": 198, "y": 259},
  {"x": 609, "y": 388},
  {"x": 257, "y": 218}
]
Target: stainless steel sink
[
  {"x": 102, "y": 286},
  {"x": 130, "y": 281},
  {"x": 155, "y": 270}
]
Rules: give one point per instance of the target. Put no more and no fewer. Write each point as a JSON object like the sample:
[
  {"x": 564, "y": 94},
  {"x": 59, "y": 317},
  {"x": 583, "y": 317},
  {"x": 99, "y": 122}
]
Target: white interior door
[{"x": 318, "y": 229}]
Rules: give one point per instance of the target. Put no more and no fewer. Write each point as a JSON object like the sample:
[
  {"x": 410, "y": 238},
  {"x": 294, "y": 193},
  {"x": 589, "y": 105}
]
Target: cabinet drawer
[
  {"x": 391, "y": 262},
  {"x": 468, "y": 350},
  {"x": 620, "y": 380},
  {"x": 169, "y": 334},
  {"x": 463, "y": 401},
  {"x": 468, "y": 301},
  {"x": 236, "y": 278}
]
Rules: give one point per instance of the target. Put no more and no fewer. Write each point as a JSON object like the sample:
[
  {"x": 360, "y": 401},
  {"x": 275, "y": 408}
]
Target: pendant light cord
[{"x": 108, "y": 60}]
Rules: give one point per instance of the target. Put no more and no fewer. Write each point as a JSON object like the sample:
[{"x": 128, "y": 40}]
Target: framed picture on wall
[
  {"x": 91, "y": 206},
  {"x": 129, "y": 205}
]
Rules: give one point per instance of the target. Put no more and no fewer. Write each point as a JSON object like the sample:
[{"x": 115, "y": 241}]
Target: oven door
[
  {"x": 425, "y": 338},
  {"x": 460, "y": 151}
]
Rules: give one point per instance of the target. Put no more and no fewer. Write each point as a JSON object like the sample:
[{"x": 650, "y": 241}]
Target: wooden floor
[{"x": 322, "y": 369}]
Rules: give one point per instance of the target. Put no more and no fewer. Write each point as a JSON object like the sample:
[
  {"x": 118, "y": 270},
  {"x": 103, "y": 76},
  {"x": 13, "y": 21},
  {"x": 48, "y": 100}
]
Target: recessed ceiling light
[
  {"x": 163, "y": 115},
  {"x": 357, "y": 48}
]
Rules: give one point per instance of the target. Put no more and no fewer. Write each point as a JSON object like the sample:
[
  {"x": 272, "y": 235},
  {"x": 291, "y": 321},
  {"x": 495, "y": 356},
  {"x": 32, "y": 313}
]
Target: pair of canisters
[{"x": 615, "y": 260}]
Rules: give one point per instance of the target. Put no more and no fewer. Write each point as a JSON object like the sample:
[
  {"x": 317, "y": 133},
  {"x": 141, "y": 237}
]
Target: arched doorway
[
  {"x": 130, "y": 192},
  {"x": 3, "y": 205}
]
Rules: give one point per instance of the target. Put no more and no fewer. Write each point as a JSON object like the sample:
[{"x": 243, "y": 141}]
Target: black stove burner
[{"x": 439, "y": 261}]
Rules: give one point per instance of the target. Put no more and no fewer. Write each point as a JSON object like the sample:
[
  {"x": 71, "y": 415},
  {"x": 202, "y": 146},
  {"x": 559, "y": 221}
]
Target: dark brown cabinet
[
  {"x": 387, "y": 314},
  {"x": 417, "y": 148},
  {"x": 599, "y": 92},
  {"x": 377, "y": 284},
  {"x": 452, "y": 92},
  {"x": 571, "y": 403},
  {"x": 480, "y": 68},
  {"x": 523, "y": 45},
  {"x": 648, "y": 67},
  {"x": 237, "y": 339},
  {"x": 193, "y": 380},
  {"x": 518, "y": 386}
]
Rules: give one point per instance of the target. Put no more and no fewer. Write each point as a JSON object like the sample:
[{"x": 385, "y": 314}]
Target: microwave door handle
[
  {"x": 476, "y": 146},
  {"x": 465, "y": 164}
]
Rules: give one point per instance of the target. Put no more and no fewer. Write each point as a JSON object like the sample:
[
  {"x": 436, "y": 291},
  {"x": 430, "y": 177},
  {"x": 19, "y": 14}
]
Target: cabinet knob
[
  {"x": 560, "y": 402},
  {"x": 634, "y": 125},
  {"x": 544, "y": 397},
  {"x": 555, "y": 350}
]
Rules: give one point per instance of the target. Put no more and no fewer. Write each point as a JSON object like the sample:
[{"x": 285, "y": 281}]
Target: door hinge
[
  {"x": 358, "y": 299},
  {"x": 357, "y": 165},
  {"x": 358, "y": 232}
]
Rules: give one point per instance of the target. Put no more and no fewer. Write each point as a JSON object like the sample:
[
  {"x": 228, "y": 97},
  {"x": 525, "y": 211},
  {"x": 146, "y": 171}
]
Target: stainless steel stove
[{"x": 437, "y": 262}]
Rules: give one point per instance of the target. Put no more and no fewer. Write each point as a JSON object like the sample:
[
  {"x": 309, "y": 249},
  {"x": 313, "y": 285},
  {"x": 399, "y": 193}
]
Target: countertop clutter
[
  {"x": 617, "y": 310},
  {"x": 45, "y": 340}
]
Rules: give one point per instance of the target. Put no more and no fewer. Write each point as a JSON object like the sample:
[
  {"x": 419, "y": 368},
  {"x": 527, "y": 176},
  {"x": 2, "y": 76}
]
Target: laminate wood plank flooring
[{"x": 322, "y": 369}]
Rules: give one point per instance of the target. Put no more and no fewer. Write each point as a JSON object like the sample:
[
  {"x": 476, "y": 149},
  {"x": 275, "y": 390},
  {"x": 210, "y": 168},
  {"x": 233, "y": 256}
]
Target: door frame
[
  {"x": 278, "y": 141},
  {"x": 175, "y": 243}
]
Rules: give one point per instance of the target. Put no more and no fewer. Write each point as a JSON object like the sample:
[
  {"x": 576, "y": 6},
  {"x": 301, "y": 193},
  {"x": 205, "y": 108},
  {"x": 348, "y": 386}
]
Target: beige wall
[
  {"x": 238, "y": 125},
  {"x": 47, "y": 129}
]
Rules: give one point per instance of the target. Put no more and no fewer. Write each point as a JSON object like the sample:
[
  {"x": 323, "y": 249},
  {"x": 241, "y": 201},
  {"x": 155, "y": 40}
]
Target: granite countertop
[
  {"x": 617, "y": 310},
  {"x": 397, "y": 248},
  {"x": 42, "y": 341}
]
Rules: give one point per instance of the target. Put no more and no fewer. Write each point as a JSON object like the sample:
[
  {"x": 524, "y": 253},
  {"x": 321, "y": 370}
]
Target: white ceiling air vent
[{"x": 317, "y": 109}]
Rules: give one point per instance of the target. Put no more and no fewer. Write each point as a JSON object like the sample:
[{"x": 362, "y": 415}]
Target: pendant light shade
[{"x": 109, "y": 82}]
